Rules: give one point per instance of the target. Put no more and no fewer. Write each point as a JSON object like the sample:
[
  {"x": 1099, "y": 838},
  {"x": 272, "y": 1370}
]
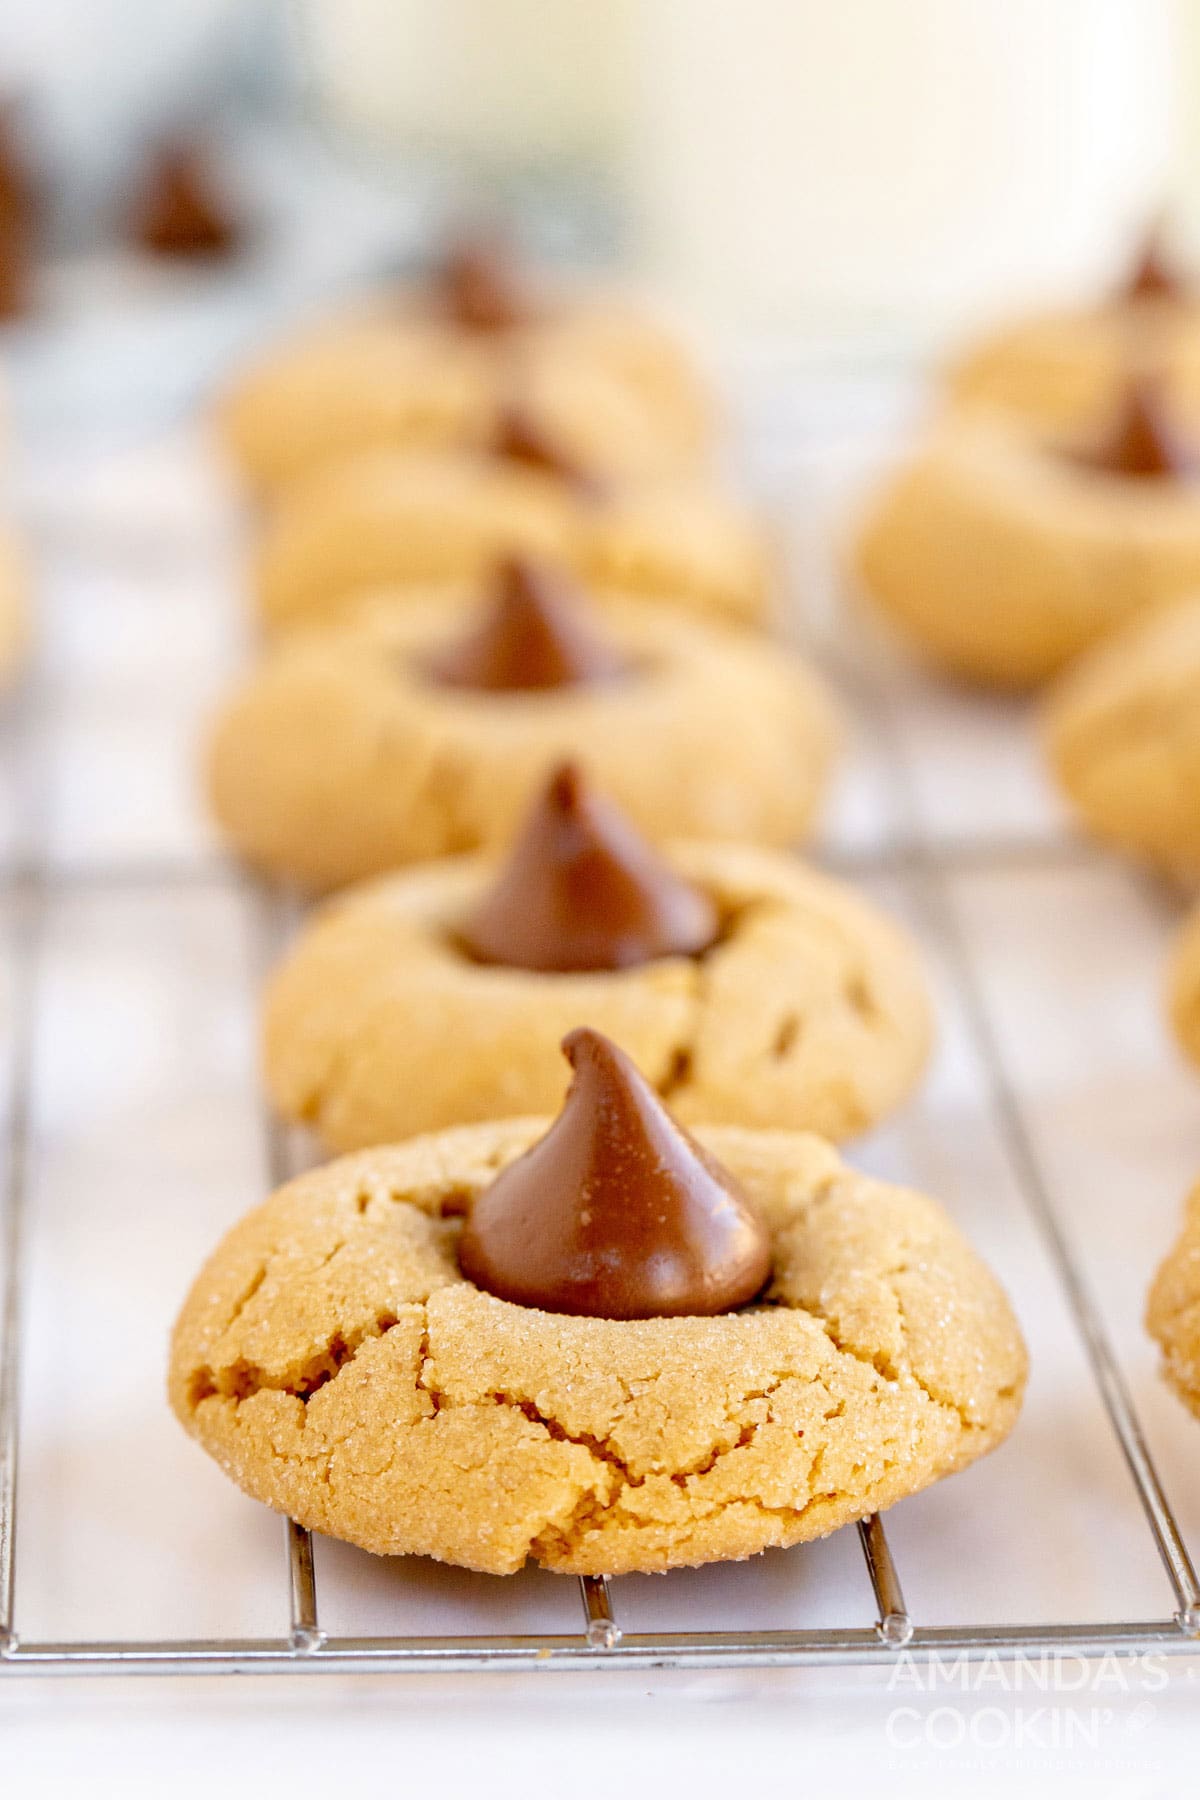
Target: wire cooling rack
[{"x": 926, "y": 863}]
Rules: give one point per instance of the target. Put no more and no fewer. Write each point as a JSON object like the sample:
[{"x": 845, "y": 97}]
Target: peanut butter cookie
[
  {"x": 400, "y": 521},
  {"x": 1183, "y": 988},
  {"x": 1061, "y": 371},
  {"x": 1000, "y": 557},
  {"x": 336, "y": 1363},
  {"x": 437, "y": 365},
  {"x": 14, "y": 609},
  {"x": 350, "y": 752},
  {"x": 1122, "y": 733},
  {"x": 1173, "y": 1310},
  {"x": 807, "y": 1011}
]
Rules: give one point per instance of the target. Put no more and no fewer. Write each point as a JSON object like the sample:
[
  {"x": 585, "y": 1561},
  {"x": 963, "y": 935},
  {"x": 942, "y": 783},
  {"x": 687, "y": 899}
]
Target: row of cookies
[
  {"x": 511, "y": 676},
  {"x": 1048, "y": 531}
]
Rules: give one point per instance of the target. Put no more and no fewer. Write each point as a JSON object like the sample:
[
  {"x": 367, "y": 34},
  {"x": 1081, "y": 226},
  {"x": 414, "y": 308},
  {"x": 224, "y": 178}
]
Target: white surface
[
  {"x": 923, "y": 162},
  {"x": 148, "y": 1143}
]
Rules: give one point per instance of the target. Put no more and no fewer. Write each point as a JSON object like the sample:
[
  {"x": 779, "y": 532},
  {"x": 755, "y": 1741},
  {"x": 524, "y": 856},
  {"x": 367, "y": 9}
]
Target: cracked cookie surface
[
  {"x": 1122, "y": 732},
  {"x": 810, "y": 1011},
  {"x": 340, "y": 758},
  {"x": 337, "y": 1366},
  {"x": 1000, "y": 560},
  {"x": 1173, "y": 1309},
  {"x": 396, "y": 522}
]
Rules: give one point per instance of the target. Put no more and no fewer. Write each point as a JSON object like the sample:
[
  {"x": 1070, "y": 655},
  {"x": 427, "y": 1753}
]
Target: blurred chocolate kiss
[
  {"x": 1141, "y": 440},
  {"x": 179, "y": 210},
  {"x": 522, "y": 439},
  {"x": 535, "y": 632},
  {"x": 1152, "y": 276},
  {"x": 479, "y": 288}
]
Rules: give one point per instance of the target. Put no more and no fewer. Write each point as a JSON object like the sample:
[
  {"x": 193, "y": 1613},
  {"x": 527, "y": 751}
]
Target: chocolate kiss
[
  {"x": 19, "y": 203},
  {"x": 179, "y": 212},
  {"x": 582, "y": 890},
  {"x": 478, "y": 288},
  {"x": 19, "y": 197},
  {"x": 521, "y": 439},
  {"x": 617, "y": 1213},
  {"x": 1141, "y": 441},
  {"x": 1152, "y": 277},
  {"x": 535, "y": 633}
]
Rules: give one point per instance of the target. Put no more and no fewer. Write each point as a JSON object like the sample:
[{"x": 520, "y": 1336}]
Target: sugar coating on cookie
[
  {"x": 809, "y": 1012},
  {"x": 394, "y": 522},
  {"x": 337, "y": 1366},
  {"x": 338, "y": 758},
  {"x": 1173, "y": 1309},
  {"x": 1122, "y": 734},
  {"x": 1000, "y": 557}
]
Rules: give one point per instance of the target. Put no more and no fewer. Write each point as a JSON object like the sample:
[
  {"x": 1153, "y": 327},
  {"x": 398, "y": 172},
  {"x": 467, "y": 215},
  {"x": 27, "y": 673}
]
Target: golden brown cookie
[
  {"x": 1061, "y": 371},
  {"x": 1173, "y": 1309},
  {"x": 336, "y": 1364},
  {"x": 1000, "y": 557},
  {"x": 14, "y": 609},
  {"x": 611, "y": 385},
  {"x": 1183, "y": 988},
  {"x": 340, "y": 757},
  {"x": 809, "y": 1012},
  {"x": 398, "y": 520},
  {"x": 1122, "y": 733}
]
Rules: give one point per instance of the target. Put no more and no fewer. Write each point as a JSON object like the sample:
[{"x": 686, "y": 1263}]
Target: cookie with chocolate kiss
[
  {"x": 534, "y": 633},
  {"x": 432, "y": 365},
  {"x": 1004, "y": 555},
  {"x": 334, "y": 1361},
  {"x": 582, "y": 890},
  {"x": 389, "y": 526},
  {"x": 1060, "y": 372},
  {"x": 348, "y": 752},
  {"x": 617, "y": 1213}
]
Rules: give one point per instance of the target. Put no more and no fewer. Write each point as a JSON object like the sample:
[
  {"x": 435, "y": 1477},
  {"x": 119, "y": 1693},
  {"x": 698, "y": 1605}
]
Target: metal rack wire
[{"x": 600, "y": 1642}]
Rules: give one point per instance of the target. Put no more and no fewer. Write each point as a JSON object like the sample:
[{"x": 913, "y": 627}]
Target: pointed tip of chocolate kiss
[
  {"x": 581, "y": 890},
  {"x": 1141, "y": 440},
  {"x": 1152, "y": 276},
  {"x": 616, "y": 1213},
  {"x": 179, "y": 211},
  {"x": 478, "y": 285},
  {"x": 535, "y": 632},
  {"x": 520, "y": 438}
]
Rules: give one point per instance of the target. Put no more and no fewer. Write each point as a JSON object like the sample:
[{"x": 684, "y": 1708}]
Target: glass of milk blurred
[{"x": 908, "y": 163}]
